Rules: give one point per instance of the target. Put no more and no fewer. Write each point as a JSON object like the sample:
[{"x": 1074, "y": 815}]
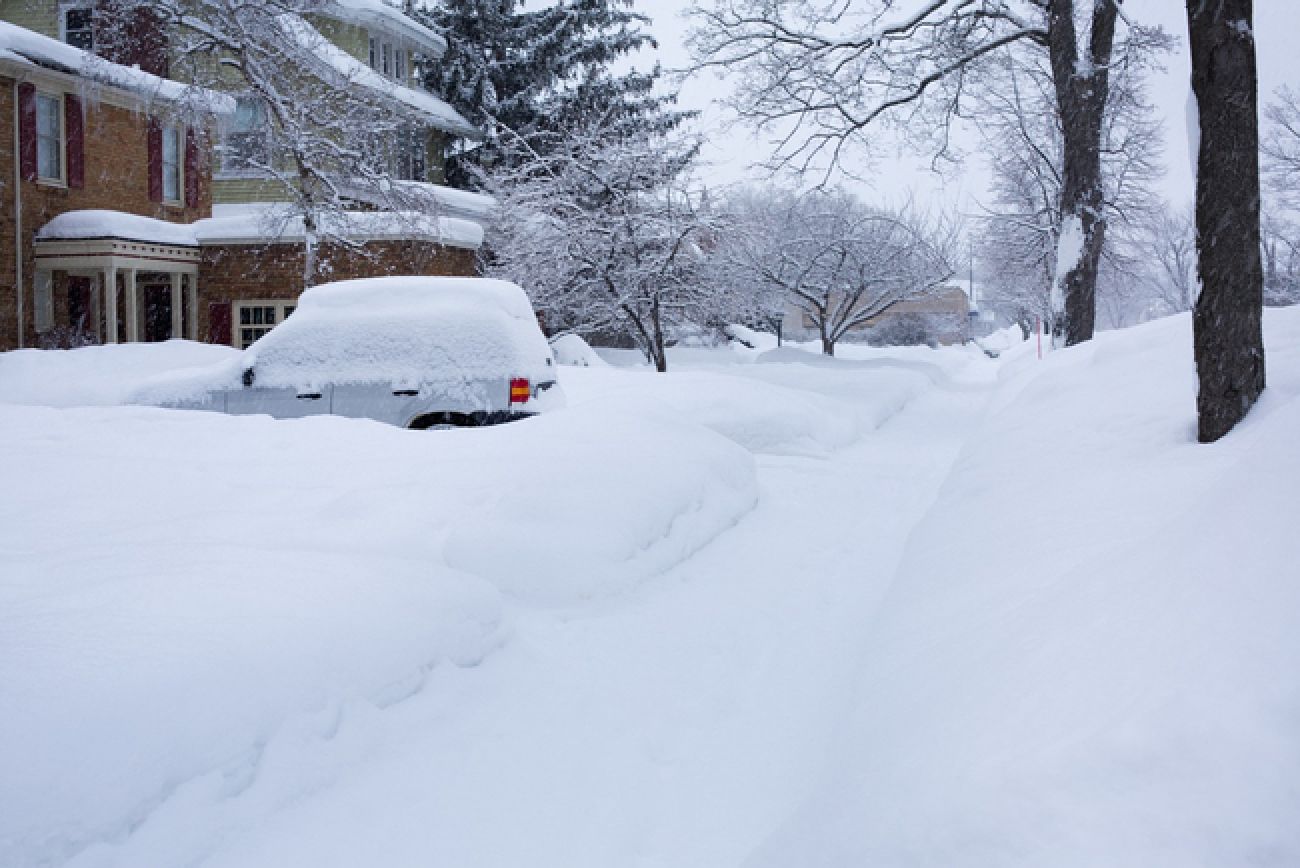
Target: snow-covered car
[{"x": 417, "y": 352}]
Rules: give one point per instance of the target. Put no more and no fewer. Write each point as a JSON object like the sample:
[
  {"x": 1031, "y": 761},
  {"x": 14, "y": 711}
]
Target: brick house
[
  {"x": 115, "y": 179},
  {"x": 94, "y": 139}
]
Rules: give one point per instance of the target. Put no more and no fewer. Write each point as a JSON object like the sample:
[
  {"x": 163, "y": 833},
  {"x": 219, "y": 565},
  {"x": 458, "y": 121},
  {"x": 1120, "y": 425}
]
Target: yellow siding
[
  {"x": 349, "y": 37},
  {"x": 235, "y": 190},
  {"x": 41, "y": 16}
]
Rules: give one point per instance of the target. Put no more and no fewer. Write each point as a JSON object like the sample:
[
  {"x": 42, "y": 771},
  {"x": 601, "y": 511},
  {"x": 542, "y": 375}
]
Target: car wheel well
[{"x": 449, "y": 420}]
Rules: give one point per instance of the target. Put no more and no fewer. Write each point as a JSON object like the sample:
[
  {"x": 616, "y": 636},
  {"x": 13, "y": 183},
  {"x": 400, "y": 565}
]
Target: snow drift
[{"x": 1116, "y": 686}]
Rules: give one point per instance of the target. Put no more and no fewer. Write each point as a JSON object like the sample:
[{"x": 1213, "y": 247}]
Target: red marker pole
[{"x": 1038, "y": 322}]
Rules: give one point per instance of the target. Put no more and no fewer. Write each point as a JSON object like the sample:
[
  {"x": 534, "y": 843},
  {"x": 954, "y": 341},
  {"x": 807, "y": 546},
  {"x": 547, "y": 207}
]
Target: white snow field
[{"x": 904, "y": 607}]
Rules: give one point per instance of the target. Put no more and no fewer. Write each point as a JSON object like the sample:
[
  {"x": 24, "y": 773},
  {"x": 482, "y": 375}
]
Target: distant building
[{"x": 938, "y": 317}]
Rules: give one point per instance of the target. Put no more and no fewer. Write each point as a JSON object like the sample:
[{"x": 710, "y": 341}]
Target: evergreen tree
[{"x": 541, "y": 72}]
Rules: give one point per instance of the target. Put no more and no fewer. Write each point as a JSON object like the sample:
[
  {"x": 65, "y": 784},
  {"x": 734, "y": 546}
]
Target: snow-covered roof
[
  {"x": 384, "y": 16},
  {"x": 254, "y": 225},
  {"x": 449, "y": 202},
  {"x": 84, "y": 225},
  {"x": 338, "y": 61},
  {"x": 260, "y": 224},
  {"x": 23, "y": 46}
]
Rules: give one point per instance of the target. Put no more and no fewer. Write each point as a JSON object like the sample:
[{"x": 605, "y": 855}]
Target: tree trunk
[
  {"x": 828, "y": 346},
  {"x": 1227, "y": 320},
  {"x": 1082, "y": 84},
  {"x": 660, "y": 351}
]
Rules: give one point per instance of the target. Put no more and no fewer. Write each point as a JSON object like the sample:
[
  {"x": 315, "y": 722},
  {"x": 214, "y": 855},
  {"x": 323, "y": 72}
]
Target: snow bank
[
  {"x": 188, "y": 598},
  {"x": 100, "y": 376},
  {"x": 557, "y": 540},
  {"x": 760, "y": 416},
  {"x": 1116, "y": 686}
]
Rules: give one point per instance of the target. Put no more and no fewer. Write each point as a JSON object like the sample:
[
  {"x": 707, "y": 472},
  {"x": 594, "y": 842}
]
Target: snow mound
[
  {"x": 762, "y": 417},
  {"x": 178, "y": 588},
  {"x": 573, "y": 350},
  {"x": 1118, "y": 686},
  {"x": 102, "y": 375},
  {"x": 562, "y": 538},
  {"x": 186, "y": 597}
]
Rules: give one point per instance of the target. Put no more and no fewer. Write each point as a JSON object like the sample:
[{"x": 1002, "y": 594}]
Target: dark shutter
[
  {"x": 74, "y": 131},
  {"x": 27, "y": 131},
  {"x": 219, "y": 322},
  {"x": 191, "y": 169},
  {"x": 155, "y": 161}
]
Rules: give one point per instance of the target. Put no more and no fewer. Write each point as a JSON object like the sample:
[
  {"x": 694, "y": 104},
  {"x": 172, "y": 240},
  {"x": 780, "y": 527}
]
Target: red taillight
[{"x": 520, "y": 390}]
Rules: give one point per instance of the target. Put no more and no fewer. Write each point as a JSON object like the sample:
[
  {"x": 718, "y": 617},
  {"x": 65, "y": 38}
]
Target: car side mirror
[{"x": 248, "y": 377}]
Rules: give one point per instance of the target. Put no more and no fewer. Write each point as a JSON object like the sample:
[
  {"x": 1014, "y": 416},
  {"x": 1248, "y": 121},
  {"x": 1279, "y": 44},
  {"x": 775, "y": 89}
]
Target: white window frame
[
  {"x": 64, "y": 9},
  {"x": 244, "y": 333},
  {"x": 386, "y": 59},
  {"x": 399, "y": 64},
  {"x": 374, "y": 53},
  {"x": 56, "y": 100},
  {"x": 177, "y": 136}
]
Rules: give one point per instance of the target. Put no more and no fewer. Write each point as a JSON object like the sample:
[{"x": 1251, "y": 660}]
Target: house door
[
  {"x": 82, "y": 327},
  {"x": 157, "y": 312}
]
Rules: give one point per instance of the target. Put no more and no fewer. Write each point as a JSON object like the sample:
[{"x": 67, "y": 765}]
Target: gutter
[{"x": 18, "y": 214}]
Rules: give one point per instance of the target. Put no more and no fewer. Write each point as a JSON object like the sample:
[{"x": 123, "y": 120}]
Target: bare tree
[
  {"x": 1280, "y": 222},
  {"x": 840, "y": 263},
  {"x": 1020, "y": 229},
  {"x": 606, "y": 232},
  {"x": 1229, "y": 338},
  {"x": 1170, "y": 243},
  {"x": 1280, "y": 148},
  {"x": 824, "y": 75}
]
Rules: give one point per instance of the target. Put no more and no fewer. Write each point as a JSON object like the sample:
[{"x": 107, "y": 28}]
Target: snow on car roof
[
  {"x": 414, "y": 294},
  {"x": 404, "y": 330}
]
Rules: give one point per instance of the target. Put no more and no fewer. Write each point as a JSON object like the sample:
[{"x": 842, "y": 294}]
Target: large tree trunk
[
  {"x": 1082, "y": 82},
  {"x": 1227, "y": 320}
]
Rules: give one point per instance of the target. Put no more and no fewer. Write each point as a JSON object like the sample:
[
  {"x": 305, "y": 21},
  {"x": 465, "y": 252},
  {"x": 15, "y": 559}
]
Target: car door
[
  {"x": 384, "y": 402},
  {"x": 282, "y": 403}
]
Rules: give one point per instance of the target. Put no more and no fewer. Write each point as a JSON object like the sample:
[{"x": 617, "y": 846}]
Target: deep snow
[{"x": 902, "y": 607}]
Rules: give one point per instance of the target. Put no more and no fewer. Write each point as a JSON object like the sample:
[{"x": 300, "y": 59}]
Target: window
[
  {"x": 374, "y": 53},
  {"x": 409, "y": 154},
  {"x": 256, "y": 318},
  {"x": 173, "y": 151},
  {"x": 79, "y": 27},
  {"x": 49, "y": 137},
  {"x": 386, "y": 62},
  {"x": 247, "y": 145},
  {"x": 399, "y": 65}
]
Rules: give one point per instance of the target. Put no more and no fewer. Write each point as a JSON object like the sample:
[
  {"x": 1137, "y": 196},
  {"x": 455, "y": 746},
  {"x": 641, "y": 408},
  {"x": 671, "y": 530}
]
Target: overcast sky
[{"x": 730, "y": 153}]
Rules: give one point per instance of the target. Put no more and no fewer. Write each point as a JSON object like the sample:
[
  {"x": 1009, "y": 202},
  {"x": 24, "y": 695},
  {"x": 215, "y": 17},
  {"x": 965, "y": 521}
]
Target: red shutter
[
  {"x": 191, "y": 169},
  {"x": 27, "y": 131},
  {"x": 219, "y": 323},
  {"x": 75, "y": 131},
  {"x": 155, "y": 161}
]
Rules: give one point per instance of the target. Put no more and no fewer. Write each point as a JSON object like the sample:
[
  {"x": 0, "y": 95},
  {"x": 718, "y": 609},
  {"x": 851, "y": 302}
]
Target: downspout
[{"x": 18, "y": 212}]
